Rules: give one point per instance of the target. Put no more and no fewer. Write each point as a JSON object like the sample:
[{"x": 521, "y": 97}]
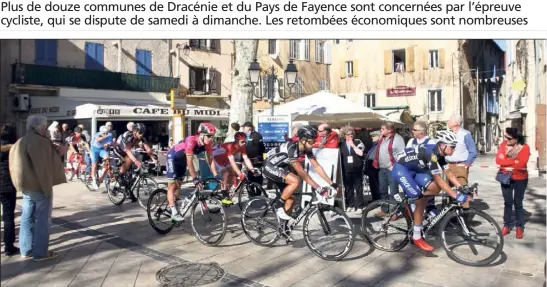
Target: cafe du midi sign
[{"x": 189, "y": 112}]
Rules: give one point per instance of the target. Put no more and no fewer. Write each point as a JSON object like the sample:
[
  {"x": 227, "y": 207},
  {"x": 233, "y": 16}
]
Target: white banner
[{"x": 328, "y": 158}]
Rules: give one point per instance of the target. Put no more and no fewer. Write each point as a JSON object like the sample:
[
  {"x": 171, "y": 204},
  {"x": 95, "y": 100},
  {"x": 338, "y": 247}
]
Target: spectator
[
  {"x": 234, "y": 127},
  {"x": 8, "y": 194},
  {"x": 294, "y": 132},
  {"x": 65, "y": 132},
  {"x": 419, "y": 131},
  {"x": 326, "y": 138},
  {"x": 512, "y": 157},
  {"x": 55, "y": 134},
  {"x": 111, "y": 129},
  {"x": 370, "y": 170},
  {"x": 35, "y": 167},
  {"x": 389, "y": 144},
  {"x": 352, "y": 153},
  {"x": 130, "y": 126},
  {"x": 464, "y": 155},
  {"x": 255, "y": 150}
]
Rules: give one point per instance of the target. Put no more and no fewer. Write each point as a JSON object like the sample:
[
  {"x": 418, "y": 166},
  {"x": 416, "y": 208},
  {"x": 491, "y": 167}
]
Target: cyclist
[
  {"x": 77, "y": 144},
  {"x": 276, "y": 168},
  {"x": 418, "y": 170},
  {"x": 224, "y": 163},
  {"x": 124, "y": 149},
  {"x": 99, "y": 149},
  {"x": 181, "y": 155}
]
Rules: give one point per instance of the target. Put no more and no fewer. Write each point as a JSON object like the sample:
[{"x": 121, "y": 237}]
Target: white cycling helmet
[
  {"x": 103, "y": 129},
  {"x": 447, "y": 137}
]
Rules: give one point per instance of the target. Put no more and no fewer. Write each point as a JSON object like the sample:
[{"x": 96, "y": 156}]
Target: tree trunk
[{"x": 241, "y": 103}]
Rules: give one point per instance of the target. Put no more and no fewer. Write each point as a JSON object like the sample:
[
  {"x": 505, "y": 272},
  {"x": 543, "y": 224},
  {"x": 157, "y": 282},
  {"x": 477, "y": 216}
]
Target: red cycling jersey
[{"x": 222, "y": 152}]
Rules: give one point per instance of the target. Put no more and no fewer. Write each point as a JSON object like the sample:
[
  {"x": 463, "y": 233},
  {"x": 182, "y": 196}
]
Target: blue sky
[{"x": 501, "y": 43}]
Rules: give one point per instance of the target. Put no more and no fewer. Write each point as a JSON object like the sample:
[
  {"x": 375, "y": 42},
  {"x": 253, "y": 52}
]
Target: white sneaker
[
  {"x": 177, "y": 217},
  {"x": 94, "y": 185},
  {"x": 281, "y": 214}
]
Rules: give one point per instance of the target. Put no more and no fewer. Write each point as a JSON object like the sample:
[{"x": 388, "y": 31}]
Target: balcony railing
[{"x": 29, "y": 74}]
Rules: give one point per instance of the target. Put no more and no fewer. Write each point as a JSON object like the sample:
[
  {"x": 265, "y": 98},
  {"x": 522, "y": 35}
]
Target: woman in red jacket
[{"x": 513, "y": 155}]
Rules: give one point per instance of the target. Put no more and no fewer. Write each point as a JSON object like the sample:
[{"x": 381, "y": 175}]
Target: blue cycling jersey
[
  {"x": 423, "y": 158},
  {"x": 100, "y": 144}
]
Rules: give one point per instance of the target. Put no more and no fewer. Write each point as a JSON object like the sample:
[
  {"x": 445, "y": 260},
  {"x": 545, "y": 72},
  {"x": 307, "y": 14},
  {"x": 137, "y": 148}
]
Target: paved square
[{"x": 100, "y": 244}]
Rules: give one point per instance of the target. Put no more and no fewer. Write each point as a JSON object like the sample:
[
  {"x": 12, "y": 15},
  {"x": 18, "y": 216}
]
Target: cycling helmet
[
  {"x": 308, "y": 132},
  {"x": 103, "y": 129},
  {"x": 240, "y": 136},
  {"x": 447, "y": 137},
  {"x": 139, "y": 127},
  {"x": 207, "y": 129}
]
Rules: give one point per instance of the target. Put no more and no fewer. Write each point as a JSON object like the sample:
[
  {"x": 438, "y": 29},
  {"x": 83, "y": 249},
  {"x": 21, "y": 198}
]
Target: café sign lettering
[
  {"x": 108, "y": 111},
  {"x": 46, "y": 110},
  {"x": 401, "y": 91},
  {"x": 192, "y": 112}
]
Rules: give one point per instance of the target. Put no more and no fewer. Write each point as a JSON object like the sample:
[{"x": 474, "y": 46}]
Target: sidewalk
[{"x": 100, "y": 244}]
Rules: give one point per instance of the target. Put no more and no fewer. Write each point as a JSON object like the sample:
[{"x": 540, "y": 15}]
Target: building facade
[
  {"x": 432, "y": 79},
  {"x": 526, "y": 95},
  {"x": 312, "y": 59}
]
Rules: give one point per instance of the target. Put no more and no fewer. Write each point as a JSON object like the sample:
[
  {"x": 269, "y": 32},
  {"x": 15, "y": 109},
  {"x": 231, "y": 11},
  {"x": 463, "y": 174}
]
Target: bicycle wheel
[
  {"x": 470, "y": 233},
  {"x": 248, "y": 191},
  {"x": 146, "y": 186},
  {"x": 116, "y": 194},
  {"x": 338, "y": 232},
  {"x": 258, "y": 216},
  {"x": 158, "y": 209},
  {"x": 401, "y": 226},
  {"x": 209, "y": 209},
  {"x": 69, "y": 172}
]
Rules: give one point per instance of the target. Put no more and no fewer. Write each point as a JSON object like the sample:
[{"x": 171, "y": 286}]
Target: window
[
  {"x": 435, "y": 100},
  {"x": 299, "y": 49},
  {"x": 370, "y": 100},
  {"x": 323, "y": 85},
  {"x": 319, "y": 51},
  {"x": 144, "y": 62},
  {"x": 202, "y": 80},
  {"x": 399, "y": 60},
  {"x": 45, "y": 52},
  {"x": 272, "y": 47},
  {"x": 337, "y": 41},
  {"x": 94, "y": 56},
  {"x": 433, "y": 58},
  {"x": 298, "y": 89},
  {"x": 206, "y": 45},
  {"x": 349, "y": 69}
]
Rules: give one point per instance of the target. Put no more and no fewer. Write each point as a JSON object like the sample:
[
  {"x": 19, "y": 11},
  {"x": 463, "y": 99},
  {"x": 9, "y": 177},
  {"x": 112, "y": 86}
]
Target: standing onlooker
[
  {"x": 294, "y": 132},
  {"x": 35, "y": 167},
  {"x": 234, "y": 128},
  {"x": 65, "y": 132},
  {"x": 255, "y": 150},
  {"x": 389, "y": 144},
  {"x": 326, "y": 137},
  {"x": 111, "y": 130},
  {"x": 370, "y": 170},
  {"x": 512, "y": 157},
  {"x": 465, "y": 153},
  {"x": 352, "y": 152},
  {"x": 55, "y": 134},
  {"x": 419, "y": 131},
  {"x": 8, "y": 194}
]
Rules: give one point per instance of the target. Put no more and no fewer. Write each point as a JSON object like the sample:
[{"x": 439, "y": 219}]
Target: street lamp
[
  {"x": 291, "y": 73},
  {"x": 186, "y": 49}
]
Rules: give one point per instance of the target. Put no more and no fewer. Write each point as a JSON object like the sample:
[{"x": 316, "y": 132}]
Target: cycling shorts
[
  {"x": 412, "y": 183},
  {"x": 97, "y": 153},
  {"x": 275, "y": 173},
  {"x": 176, "y": 165}
]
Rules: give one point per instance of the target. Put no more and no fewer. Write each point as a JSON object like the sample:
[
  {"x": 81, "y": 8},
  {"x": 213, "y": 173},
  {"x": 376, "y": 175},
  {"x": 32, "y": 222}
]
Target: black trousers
[
  {"x": 374, "y": 181},
  {"x": 353, "y": 189},
  {"x": 258, "y": 179},
  {"x": 8, "y": 200}
]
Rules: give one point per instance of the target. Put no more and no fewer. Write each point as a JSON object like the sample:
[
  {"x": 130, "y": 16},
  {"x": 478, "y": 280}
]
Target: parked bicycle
[
  {"x": 318, "y": 208},
  {"x": 206, "y": 203},
  {"x": 140, "y": 185},
  {"x": 454, "y": 219}
]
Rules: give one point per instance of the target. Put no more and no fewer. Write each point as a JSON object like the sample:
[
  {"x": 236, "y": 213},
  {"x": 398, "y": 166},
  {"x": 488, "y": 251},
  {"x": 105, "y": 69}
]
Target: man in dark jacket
[
  {"x": 370, "y": 170},
  {"x": 8, "y": 194},
  {"x": 255, "y": 150}
]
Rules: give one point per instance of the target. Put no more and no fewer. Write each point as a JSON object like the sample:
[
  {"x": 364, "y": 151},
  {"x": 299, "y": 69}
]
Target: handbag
[{"x": 504, "y": 178}]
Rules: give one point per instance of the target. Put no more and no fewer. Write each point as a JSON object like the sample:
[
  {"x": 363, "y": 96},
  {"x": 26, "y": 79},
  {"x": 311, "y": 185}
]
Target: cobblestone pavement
[{"x": 100, "y": 244}]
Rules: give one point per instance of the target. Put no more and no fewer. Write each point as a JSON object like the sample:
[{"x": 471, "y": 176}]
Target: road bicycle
[
  {"x": 206, "y": 203},
  {"x": 106, "y": 172},
  {"x": 245, "y": 190},
  {"x": 77, "y": 168},
  {"x": 139, "y": 185},
  {"x": 452, "y": 218},
  {"x": 317, "y": 207}
]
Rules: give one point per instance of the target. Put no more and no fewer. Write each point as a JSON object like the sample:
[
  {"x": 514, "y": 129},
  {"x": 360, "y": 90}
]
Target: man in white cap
[{"x": 112, "y": 132}]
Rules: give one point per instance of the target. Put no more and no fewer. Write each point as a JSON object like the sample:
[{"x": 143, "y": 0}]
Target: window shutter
[
  {"x": 439, "y": 100},
  {"x": 140, "y": 62},
  {"x": 355, "y": 68},
  {"x": 212, "y": 81},
  {"x": 342, "y": 70},
  {"x": 441, "y": 58},
  {"x": 409, "y": 54},
  {"x": 317, "y": 52},
  {"x": 425, "y": 60},
  {"x": 89, "y": 55},
  {"x": 373, "y": 100},
  {"x": 39, "y": 51},
  {"x": 307, "y": 50},
  {"x": 51, "y": 52},
  {"x": 99, "y": 56},
  {"x": 327, "y": 51},
  {"x": 192, "y": 83},
  {"x": 292, "y": 49},
  {"x": 388, "y": 62}
]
